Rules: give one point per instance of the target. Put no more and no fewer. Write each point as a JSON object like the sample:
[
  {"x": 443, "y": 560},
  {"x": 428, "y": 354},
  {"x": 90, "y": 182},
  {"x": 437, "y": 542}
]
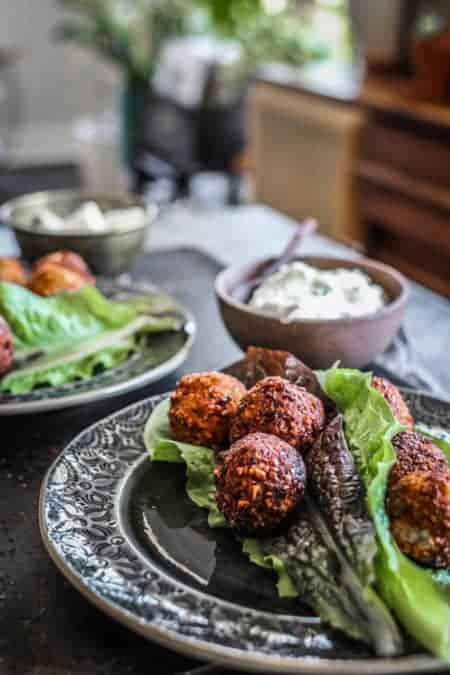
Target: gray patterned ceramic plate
[
  {"x": 123, "y": 532},
  {"x": 161, "y": 355}
]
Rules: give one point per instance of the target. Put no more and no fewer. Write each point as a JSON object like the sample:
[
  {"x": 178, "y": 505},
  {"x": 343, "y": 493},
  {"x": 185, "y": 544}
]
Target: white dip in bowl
[{"x": 298, "y": 291}]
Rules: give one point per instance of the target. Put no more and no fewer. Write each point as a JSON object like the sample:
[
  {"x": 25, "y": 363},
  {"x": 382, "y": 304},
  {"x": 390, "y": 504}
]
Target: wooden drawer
[
  {"x": 419, "y": 261},
  {"x": 408, "y": 223},
  {"x": 405, "y": 218},
  {"x": 409, "y": 208},
  {"x": 417, "y": 153}
]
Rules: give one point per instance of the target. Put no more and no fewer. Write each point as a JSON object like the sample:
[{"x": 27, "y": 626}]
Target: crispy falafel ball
[
  {"x": 12, "y": 270},
  {"x": 6, "y": 347},
  {"x": 202, "y": 406},
  {"x": 419, "y": 512},
  {"x": 394, "y": 399},
  {"x": 259, "y": 483},
  {"x": 67, "y": 259},
  {"x": 53, "y": 279},
  {"x": 275, "y": 406},
  {"x": 415, "y": 453}
]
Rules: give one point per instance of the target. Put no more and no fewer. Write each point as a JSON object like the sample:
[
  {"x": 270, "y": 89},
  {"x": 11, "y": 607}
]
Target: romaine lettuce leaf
[
  {"x": 254, "y": 549},
  {"x": 22, "y": 381},
  {"x": 419, "y": 597},
  {"x": 62, "y": 319},
  {"x": 326, "y": 582},
  {"x": 73, "y": 336},
  {"x": 199, "y": 462}
]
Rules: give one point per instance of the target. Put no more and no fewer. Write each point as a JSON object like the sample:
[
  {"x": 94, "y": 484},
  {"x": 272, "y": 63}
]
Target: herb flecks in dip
[{"x": 298, "y": 291}]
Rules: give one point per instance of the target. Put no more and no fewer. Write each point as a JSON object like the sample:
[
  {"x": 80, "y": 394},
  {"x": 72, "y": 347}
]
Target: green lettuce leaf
[
  {"x": 419, "y": 597},
  {"x": 254, "y": 549},
  {"x": 199, "y": 462},
  {"x": 325, "y": 581},
  {"x": 73, "y": 336},
  {"x": 20, "y": 382},
  {"x": 59, "y": 320}
]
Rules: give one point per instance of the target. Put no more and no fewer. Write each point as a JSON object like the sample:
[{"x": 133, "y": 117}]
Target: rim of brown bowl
[{"x": 244, "y": 273}]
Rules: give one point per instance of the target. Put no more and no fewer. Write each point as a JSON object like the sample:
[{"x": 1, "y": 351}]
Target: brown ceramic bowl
[{"x": 354, "y": 342}]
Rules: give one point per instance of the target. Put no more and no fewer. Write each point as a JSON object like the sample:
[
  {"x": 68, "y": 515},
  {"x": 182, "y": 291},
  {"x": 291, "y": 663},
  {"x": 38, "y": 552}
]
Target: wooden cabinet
[
  {"x": 304, "y": 149},
  {"x": 366, "y": 159},
  {"x": 404, "y": 196}
]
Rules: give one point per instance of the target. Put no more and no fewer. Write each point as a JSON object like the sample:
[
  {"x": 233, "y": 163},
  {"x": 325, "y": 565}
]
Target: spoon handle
[
  {"x": 245, "y": 289},
  {"x": 302, "y": 230}
]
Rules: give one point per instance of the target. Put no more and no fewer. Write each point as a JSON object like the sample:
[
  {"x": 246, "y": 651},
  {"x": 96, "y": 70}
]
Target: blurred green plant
[
  {"x": 128, "y": 32},
  {"x": 228, "y": 16},
  {"x": 268, "y": 30},
  {"x": 282, "y": 38},
  {"x": 131, "y": 32}
]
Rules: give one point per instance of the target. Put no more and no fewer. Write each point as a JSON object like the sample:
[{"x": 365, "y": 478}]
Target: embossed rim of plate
[
  {"x": 192, "y": 646},
  {"x": 100, "y": 393}
]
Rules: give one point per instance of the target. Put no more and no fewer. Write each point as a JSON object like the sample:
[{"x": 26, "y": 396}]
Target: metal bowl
[{"x": 107, "y": 253}]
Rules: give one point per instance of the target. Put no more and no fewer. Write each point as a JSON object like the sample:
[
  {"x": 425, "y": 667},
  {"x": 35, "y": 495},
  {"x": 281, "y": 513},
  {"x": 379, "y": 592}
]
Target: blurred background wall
[{"x": 55, "y": 84}]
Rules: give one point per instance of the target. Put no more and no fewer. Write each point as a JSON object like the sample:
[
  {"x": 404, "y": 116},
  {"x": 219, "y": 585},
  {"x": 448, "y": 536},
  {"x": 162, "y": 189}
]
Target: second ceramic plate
[{"x": 160, "y": 355}]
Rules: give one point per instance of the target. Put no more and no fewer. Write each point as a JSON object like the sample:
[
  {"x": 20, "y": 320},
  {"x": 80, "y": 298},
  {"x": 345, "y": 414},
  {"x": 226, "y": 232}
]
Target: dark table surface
[{"x": 46, "y": 627}]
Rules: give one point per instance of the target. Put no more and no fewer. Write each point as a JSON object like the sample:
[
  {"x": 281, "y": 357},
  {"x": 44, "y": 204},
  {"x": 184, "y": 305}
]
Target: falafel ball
[
  {"x": 6, "y": 347},
  {"x": 202, "y": 406},
  {"x": 415, "y": 453},
  {"x": 275, "y": 406},
  {"x": 419, "y": 512},
  {"x": 259, "y": 483},
  {"x": 12, "y": 270},
  {"x": 394, "y": 399},
  {"x": 67, "y": 259},
  {"x": 53, "y": 279}
]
